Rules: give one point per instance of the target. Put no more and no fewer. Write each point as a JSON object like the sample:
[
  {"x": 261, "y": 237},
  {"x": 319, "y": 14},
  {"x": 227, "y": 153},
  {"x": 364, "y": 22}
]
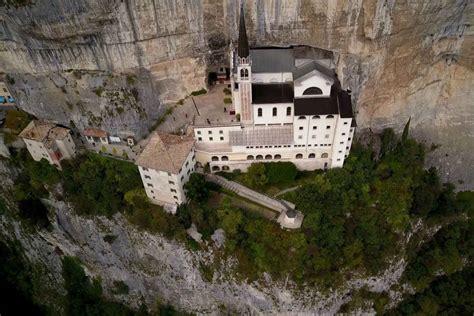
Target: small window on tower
[{"x": 236, "y": 86}]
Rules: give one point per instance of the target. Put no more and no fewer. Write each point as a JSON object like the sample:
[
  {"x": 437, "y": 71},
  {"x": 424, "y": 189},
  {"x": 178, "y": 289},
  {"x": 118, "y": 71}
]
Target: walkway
[
  {"x": 287, "y": 190},
  {"x": 289, "y": 218}
]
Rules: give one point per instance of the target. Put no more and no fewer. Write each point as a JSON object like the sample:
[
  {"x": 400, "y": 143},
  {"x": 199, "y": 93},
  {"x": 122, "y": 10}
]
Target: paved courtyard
[{"x": 207, "y": 109}]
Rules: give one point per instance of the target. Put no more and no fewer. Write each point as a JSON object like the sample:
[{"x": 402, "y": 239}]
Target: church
[{"x": 283, "y": 109}]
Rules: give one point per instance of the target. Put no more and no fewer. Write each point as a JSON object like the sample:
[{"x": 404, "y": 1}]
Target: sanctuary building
[{"x": 283, "y": 109}]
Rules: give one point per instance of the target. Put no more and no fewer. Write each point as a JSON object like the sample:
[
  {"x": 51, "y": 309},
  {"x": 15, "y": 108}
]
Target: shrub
[
  {"x": 120, "y": 288},
  {"x": 98, "y": 91},
  {"x": 199, "y": 92},
  {"x": 280, "y": 172},
  {"x": 17, "y": 120},
  {"x": 227, "y": 101},
  {"x": 131, "y": 79},
  {"x": 227, "y": 91},
  {"x": 10, "y": 79}
]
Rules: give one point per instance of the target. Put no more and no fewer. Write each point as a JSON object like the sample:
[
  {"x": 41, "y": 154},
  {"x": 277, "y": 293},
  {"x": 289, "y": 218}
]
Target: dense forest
[{"x": 356, "y": 222}]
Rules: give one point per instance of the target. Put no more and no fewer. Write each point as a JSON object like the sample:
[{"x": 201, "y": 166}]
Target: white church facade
[{"x": 283, "y": 109}]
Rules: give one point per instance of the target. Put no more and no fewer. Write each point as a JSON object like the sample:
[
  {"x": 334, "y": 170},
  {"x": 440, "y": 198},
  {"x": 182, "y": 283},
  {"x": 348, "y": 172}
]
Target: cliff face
[
  {"x": 157, "y": 269},
  {"x": 402, "y": 59}
]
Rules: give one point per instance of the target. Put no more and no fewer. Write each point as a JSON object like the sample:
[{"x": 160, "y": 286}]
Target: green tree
[
  {"x": 256, "y": 176},
  {"x": 197, "y": 188}
]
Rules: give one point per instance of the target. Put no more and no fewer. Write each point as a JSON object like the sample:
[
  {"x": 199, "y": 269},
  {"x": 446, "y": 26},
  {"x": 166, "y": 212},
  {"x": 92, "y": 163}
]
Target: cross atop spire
[{"x": 243, "y": 48}]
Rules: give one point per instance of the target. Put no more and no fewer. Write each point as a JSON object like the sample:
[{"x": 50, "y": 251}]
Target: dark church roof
[
  {"x": 243, "y": 48},
  {"x": 272, "y": 93},
  {"x": 339, "y": 102},
  {"x": 345, "y": 104},
  {"x": 315, "y": 106},
  {"x": 272, "y": 60}
]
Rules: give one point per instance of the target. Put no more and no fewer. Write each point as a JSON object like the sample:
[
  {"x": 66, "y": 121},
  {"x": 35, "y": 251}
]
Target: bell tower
[{"x": 244, "y": 73}]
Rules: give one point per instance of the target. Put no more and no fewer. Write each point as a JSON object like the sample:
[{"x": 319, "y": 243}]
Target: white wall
[
  {"x": 37, "y": 150},
  {"x": 313, "y": 79},
  {"x": 219, "y": 134},
  {"x": 67, "y": 147},
  {"x": 341, "y": 138},
  {"x": 270, "y": 77},
  {"x": 161, "y": 192},
  {"x": 267, "y": 113}
]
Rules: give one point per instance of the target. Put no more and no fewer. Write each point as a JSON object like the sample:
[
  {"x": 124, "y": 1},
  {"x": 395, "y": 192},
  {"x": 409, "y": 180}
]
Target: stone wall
[{"x": 401, "y": 59}]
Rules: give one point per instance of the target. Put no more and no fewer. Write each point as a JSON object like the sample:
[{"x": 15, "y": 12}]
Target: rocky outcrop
[{"x": 401, "y": 59}]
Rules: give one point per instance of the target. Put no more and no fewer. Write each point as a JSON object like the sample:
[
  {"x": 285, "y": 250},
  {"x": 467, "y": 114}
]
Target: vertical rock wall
[{"x": 401, "y": 58}]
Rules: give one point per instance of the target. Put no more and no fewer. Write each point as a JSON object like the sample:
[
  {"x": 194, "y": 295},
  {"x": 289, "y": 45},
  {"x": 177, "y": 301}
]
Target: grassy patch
[{"x": 199, "y": 92}]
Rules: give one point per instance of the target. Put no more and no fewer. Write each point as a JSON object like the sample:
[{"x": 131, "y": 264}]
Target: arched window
[
  {"x": 301, "y": 117},
  {"x": 299, "y": 156},
  {"x": 250, "y": 157},
  {"x": 259, "y": 157},
  {"x": 215, "y": 168},
  {"x": 242, "y": 73},
  {"x": 215, "y": 158},
  {"x": 324, "y": 155},
  {"x": 259, "y": 112},
  {"x": 330, "y": 116},
  {"x": 246, "y": 73},
  {"x": 268, "y": 157},
  {"x": 315, "y": 117},
  {"x": 312, "y": 91},
  {"x": 224, "y": 158},
  {"x": 288, "y": 111},
  {"x": 311, "y": 156},
  {"x": 274, "y": 111},
  {"x": 225, "y": 168},
  {"x": 277, "y": 156}
]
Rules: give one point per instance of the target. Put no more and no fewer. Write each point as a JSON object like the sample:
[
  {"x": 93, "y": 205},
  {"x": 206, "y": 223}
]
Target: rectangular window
[
  {"x": 326, "y": 136},
  {"x": 210, "y": 139},
  {"x": 340, "y": 151},
  {"x": 221, "y": 132},
  {"x": 149, "y": 185},
  {"x": 222, "y": 138},
  {"x": 173, "y": 190},
  {"x": 187, "y": 163},
  {"x": 171, "y": 182},
  {"x": 339, "y": 160},
  {"x": 349, "y": 138},
  {"x": 145, "y": 169},
  {"x": 345, "y": 123},
  {"x": 198, "y": 132},
  {"x": 300, "y": 137},
  {"x": 152, "y": 191},
  {"x": 182, "y": 178},
  {"x": 199, "y": 138},
  {"x": 301, "y": 128},
  {"x": 328, "y": 127},
  {"x": 343, "y": 134},
  {"x": 147, "y": 177},
  {"x": 315, "y": 127},
  {"x": 341, "y": 143},
  {"x": 209, "y": 132},
  {"x": 313, "y": 136}
]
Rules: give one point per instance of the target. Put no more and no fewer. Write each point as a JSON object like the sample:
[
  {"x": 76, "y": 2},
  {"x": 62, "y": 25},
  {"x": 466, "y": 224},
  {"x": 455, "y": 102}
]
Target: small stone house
[
  {"x": 165, "y": 166},
  {"x": 96, "y": 135},
  {"x": 45, "y": 140}
]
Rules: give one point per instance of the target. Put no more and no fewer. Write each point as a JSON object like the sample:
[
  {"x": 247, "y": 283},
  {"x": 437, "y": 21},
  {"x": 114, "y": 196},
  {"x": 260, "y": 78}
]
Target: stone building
[
  {"x": 45, "y": 140},
  {"x": 165, "y": 166},
  {"x": 283, "y": 109},
  {"x": 290, "y": 110}
]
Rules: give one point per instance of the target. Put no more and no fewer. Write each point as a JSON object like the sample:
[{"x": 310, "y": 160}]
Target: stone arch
[{"x": 268, "y": 157}]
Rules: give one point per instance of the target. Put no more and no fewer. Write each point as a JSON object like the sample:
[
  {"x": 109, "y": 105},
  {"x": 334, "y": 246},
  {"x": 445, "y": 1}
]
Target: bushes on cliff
[
  {"x": 447, "y": 295},
  {"x": 97, "y": 184},
  {"x": 261, "y": 174}
]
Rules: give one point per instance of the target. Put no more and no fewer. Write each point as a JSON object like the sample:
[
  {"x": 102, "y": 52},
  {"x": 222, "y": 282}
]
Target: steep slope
[{"x": 401, "y": 59}]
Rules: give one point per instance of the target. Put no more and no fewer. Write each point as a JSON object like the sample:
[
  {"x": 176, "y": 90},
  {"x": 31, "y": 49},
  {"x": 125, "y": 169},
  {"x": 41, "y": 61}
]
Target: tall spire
[{"x": 243, "y": 48}]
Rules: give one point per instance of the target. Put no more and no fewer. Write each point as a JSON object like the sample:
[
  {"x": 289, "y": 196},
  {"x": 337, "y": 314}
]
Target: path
[
  {"x": 285, "y": 208},
  {"x": 287, "y": 190}
]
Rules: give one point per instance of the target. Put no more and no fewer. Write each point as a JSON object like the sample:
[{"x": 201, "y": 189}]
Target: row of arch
[
  {"x": 216, "y": 158},
  {"x": 315, "y": 117},
  {"x": 217, "y": 168},
  {"x": 278, "y": 156}
]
